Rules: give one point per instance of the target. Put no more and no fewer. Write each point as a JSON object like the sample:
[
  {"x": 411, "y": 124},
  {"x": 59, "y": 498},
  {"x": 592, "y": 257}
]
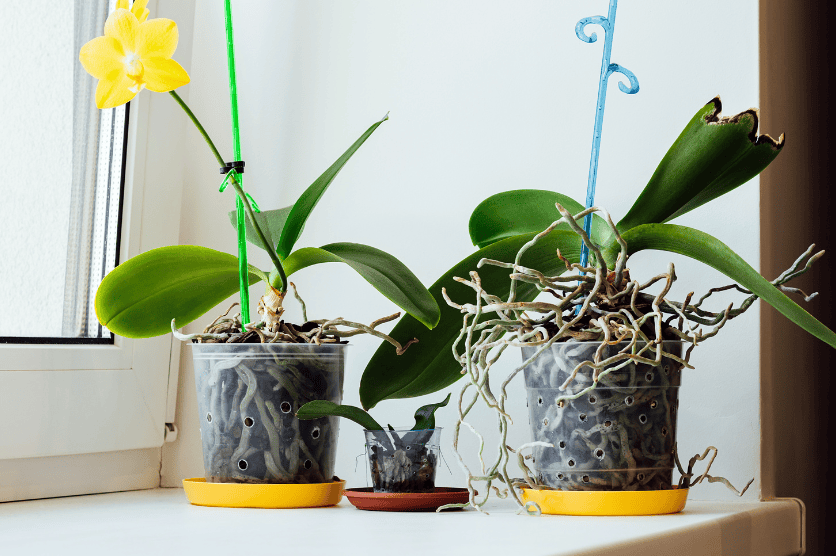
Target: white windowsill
[{"x": 161, "y": 521}]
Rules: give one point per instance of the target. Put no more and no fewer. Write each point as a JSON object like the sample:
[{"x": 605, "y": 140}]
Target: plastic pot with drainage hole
[
  {"x": 248, "y": 394},
  {"x": 403, "y": 460},
  {"x": 619, "y": 436}
]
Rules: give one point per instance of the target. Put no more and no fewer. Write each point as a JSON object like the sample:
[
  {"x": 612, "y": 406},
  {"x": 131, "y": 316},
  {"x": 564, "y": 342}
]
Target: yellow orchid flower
[{"x": 133, "y": 54}]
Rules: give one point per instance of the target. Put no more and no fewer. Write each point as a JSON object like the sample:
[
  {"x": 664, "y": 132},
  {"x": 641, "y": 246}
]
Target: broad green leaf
[
  {"x": 429, "y": 365},
  {"x": 139, "y": 297},
  {"x": 387, "y": 274},
  {"x": 306, "y": 203},
  {"x": 324, "y": 408},
  {"x": 713, "y": 252},
  {"x": 425, "y": 415},
  {"x": 523, "y": 211},
  {"x": 271, "y": 223},
  {"x": 711, "y": 156}
]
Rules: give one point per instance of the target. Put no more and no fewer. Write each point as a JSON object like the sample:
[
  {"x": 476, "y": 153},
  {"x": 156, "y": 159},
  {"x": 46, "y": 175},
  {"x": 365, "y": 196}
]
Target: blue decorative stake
[{"x": 607, "y": 69}]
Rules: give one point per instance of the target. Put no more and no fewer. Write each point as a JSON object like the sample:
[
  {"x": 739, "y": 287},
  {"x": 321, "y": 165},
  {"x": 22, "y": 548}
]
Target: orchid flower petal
[
  {"x": 163, "y": 74},
  {"x": 115, "y": 90},
  {"x": 139, "y": 10},
  {"x": 122, "y": 25},
  {"x": 101, "y": 56},
  {"x": 157, "y": 38}
]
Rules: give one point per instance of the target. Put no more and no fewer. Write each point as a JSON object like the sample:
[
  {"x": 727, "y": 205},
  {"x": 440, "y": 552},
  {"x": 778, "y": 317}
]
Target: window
[
  {"x": 86, "y": 194},
  {"x": 69, "y": 176}
]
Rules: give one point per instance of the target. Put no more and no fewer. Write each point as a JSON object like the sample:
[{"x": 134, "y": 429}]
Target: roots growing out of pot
[
  {"x": 403, "y": 461},
  {"x": 607, "y": 420},
  {"x": 248, "y": 395}
]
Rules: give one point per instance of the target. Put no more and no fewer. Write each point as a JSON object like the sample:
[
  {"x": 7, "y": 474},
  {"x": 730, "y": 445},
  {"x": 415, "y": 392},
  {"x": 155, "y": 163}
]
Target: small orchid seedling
[
  {"x": 424, "y": 415},
  {"x": 400, "y": 460}
]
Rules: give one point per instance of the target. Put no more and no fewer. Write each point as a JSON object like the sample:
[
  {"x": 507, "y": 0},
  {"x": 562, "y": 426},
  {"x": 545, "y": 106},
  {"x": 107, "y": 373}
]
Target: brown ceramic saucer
[{"x": 367, "y": 499}]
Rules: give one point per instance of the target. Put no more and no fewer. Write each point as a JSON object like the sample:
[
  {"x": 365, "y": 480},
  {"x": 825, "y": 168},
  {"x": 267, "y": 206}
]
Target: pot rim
[
  {"x": 597, "y": 343},
  {"x": 404, "y": 429}
]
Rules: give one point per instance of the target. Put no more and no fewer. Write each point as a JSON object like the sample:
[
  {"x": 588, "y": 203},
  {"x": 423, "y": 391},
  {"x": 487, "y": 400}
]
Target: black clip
[{"x": 238, "y": 166}]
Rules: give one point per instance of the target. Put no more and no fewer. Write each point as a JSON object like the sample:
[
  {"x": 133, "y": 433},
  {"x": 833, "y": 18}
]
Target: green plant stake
[{"x": 243, "y": 274}]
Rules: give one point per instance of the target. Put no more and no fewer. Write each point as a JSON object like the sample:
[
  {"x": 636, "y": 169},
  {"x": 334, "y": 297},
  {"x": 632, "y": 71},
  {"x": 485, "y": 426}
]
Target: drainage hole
[
  {"x": 409, "y": 448},
  {"x": 209, "y": 417},
  {"x": 540, "y": 401},
  {"x": 582, "y": 417},
  {"x": 308, "y": 464},
  {"x": 629, "y": 400},
  {"x": 545, "y": 422},
  {"x": 571, "y": 463},
  {"x": 561, "y": 403},
  {"x": 664, "y": 431},
  {"x": 285, "y": 407},
  {"x": 560, "y": 477},
  {"x": 585, "y": 478},
  {"x": 653, "y": 404},
  {"x": 561, "y": 444},
  {"x": 640, "y": 477},
  {"x": 315, "y": 433},
  {"x": 607, "y": 423},
  {"x": 649, "y": 377},
  {"x": 666, "y": 369},
  {"x": 242, "y": 464},
  {"x": 592, "y": 399},
  {"x": 642, "y": 418},
  {"x": 599, "y": 453},
  {"x": 248, "y": 422}
]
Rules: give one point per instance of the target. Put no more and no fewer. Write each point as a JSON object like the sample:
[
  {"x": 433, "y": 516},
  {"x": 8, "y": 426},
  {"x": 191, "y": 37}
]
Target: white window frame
[{"x": 95, "y": 415}]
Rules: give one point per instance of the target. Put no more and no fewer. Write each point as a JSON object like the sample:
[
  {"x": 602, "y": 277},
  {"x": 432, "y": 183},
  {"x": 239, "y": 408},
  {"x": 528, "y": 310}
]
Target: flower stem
[
  {"x": 199, "y": 127},
  {"x": 266, "y": 244}
]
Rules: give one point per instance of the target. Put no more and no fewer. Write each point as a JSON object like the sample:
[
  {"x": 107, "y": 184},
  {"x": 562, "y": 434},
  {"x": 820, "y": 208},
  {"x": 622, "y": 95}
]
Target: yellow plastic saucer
[
  {"x": 598, "y": 502},
  {"x": 243, "y": 495}
]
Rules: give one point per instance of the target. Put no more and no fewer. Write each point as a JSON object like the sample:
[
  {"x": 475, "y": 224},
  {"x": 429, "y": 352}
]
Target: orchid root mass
[
  {"x": 598, "y": 303},
  {"x": 272, "y": 329}
]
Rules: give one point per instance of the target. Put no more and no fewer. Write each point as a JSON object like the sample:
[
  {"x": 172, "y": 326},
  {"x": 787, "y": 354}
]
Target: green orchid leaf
[
  {"x": 711, "y": 156},
  {"x": 324, "y": 408},
  {"x": 425, "y": 415},
  {"x": 387, "y": 274},
  {"x": 139, "y": 297},
  {"x": 429, "y": 365},
  {"x": 271, "y": 223},
  {"x": 523, "y": 211},
  {"x": 307, "y": 202},
  {"x": 713, "y": 252}
]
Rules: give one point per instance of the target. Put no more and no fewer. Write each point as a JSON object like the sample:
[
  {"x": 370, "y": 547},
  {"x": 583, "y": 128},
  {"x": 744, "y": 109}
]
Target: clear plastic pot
[
  {"x": 619, "y": 436},
  {"x": 403, "y": 460},
  {"x": 248, "y": 395}
]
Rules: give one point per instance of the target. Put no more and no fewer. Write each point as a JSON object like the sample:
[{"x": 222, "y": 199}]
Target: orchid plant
[
  {"x": 712, "y": 156},
  {"x": 168, "y": 287},
  {"x": 424, "y": 415}
]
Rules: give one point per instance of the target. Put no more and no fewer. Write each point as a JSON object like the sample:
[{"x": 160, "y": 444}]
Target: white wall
[
  {"x": 484, "y": 97},
  {"x": 36, "y": 139}
]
